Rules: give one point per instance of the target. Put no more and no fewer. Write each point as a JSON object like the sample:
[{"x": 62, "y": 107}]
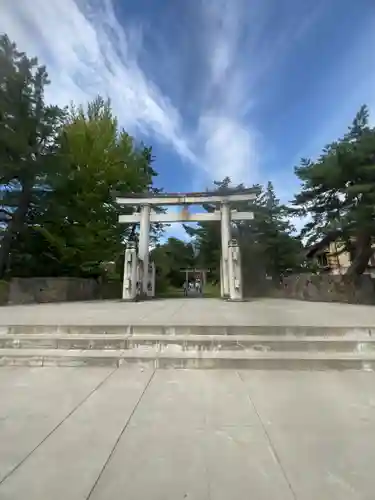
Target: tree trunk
[
  {"x": 363, "y": 253},
  {"x": 14, "y": 226}
]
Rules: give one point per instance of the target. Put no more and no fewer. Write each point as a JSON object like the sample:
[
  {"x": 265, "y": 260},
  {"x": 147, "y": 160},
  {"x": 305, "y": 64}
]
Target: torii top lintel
[{"x": 184, "y": 198}]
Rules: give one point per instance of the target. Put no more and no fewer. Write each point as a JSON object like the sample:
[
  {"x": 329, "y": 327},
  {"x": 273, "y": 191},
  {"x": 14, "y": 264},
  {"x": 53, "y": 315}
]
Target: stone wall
[
  {"x": 323, "y": 287},
  {"x": 110, "y": 290},
  {"x": 327, "y": 288},
  {"x": 4, "y": 292},
  {"x": 32, "y": 290}
]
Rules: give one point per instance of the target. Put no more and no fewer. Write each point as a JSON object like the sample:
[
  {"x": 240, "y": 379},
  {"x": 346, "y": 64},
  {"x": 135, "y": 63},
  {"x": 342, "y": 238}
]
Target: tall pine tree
[
  {"x": 267, "y": 243},
  {"x": 338, "y": 193},
  {"x": 27, "y": 142}
]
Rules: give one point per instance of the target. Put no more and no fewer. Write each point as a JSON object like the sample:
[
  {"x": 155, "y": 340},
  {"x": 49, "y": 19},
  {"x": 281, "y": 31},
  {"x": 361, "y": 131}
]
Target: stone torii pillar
[
  {"x": 225, "y": 238},
  {"x": 143, "y": 247}
]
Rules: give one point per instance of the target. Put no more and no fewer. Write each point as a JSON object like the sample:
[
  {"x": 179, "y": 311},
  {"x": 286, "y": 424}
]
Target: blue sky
[{"x": 218, "y": 87}]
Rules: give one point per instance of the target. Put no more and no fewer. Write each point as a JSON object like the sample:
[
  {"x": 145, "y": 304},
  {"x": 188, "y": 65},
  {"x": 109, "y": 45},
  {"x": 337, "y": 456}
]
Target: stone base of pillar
[
  {"x": 129, "y": 285},
  {"x": 235, "y": 272},
  {"x": 140, "y": 280}
]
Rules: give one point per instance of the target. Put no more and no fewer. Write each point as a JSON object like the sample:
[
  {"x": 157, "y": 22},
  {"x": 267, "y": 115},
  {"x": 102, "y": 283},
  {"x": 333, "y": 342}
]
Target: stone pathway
[
  {"x": 108, "y": 434},
  {"x": 199, "y": 311}
]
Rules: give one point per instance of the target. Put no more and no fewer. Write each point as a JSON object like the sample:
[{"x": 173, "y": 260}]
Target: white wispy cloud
[
  {"x": 240, "y": 52},
  {"x": 227, "y": 142},
  {"x": 88, "y": 52}
]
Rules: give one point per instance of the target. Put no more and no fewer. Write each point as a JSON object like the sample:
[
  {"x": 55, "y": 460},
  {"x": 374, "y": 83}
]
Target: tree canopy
[
  {"x": 28, "y": 128},
  {"x": 59, "y": 169},
  {"x": 269, "y": 247},
  {"x": 170, "y": 258},
  {"x": 338, "y": 193}
]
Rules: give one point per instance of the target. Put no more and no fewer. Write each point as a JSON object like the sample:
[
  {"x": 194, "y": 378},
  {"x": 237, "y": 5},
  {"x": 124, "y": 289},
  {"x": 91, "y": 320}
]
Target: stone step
[
  {"x": 176, "y": 343},
  {"x": 298, "y": 331},
  {"x": 155, "y": 358}
]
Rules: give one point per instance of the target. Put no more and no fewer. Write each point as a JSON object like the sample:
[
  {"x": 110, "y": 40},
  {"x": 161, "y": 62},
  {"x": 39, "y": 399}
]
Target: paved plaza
[
  {"x": 138, "y": 433},
  {"x": 127, "y": 433},
  {"x": 191, "y": 311}
]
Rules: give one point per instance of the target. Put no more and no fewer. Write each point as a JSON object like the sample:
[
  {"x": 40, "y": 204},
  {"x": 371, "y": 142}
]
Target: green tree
[
  {"x": 170, "y": 258},
  {"x": 267, "y": 243},
  {"x": 206, "y": 236},
  {"x": 79, "y": 229},
  {"x": 59, "y": 170},
  {"x": 271, "y": 233},
  {"x": 27, "y": 131},
  {"x": 338, "y": 193}
]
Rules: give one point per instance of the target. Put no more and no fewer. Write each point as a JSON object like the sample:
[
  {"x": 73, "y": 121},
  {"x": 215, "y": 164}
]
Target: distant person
[{"x": 185, "y": 288}]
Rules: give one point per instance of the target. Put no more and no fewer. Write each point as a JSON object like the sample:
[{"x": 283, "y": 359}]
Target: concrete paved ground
[
  {"x": 103, "y": 434},
  {"x": 196, "y": 311}
]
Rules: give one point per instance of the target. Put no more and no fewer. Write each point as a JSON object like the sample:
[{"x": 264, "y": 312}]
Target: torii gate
[
  {"x": 136, "y": 268},
  {"x": 202, "y": 272}
]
